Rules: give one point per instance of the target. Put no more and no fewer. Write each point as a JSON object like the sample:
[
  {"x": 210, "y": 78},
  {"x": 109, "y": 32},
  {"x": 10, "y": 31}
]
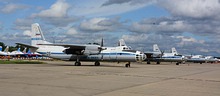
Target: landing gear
[
  {"x": 77, "y": 63},
  {"x": 148, "y": 62},
  {"x": 97, "y": 63},
  {"x": 128, "y": 64},
  {"x": 158, "y": 62},
  {"x": 177, "y": 63}
]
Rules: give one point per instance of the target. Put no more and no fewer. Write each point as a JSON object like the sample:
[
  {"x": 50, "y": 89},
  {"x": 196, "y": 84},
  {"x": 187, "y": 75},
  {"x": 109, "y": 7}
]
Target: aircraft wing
[
  {"x": 26, "y": 45},
  {"x": 79, "y": 49},
  {"x": 70, "y": 46}
]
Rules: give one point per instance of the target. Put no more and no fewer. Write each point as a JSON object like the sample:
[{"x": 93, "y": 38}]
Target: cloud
[
  {"x": 57, "y": 21},
  {"x": 198, "y": 9},
  {"x": 135, "y": 38},
  {"x": 27, "y": 33},
  {"x": 187, "y": 40},
  {"x": 59, "y": 9},
  {"x": 100, "y": 24},
  {"x": 131, "y": 2},
  {"x": 161, "y": 26},
  {"x": 72, "y": 31},
  {"x": 57, "y": 14},
  {"x": 10, "y": 8},
  {"x": 94, "y": 8},
  {"x": 23, "y": 24}
]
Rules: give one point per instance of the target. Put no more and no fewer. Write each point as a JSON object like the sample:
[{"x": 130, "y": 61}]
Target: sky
[{"x": 191, "y": 26}]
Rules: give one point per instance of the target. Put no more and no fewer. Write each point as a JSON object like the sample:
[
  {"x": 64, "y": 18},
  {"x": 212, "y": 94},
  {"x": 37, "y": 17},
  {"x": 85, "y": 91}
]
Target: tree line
[{"x": 11, "y": 48}]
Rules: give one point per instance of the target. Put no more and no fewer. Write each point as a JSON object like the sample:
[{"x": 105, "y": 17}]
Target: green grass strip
[{"x": 20, "y": 62}]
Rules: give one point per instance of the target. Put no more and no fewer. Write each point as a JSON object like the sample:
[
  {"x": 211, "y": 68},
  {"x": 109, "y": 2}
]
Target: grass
[{"x": 20, "y": 62}]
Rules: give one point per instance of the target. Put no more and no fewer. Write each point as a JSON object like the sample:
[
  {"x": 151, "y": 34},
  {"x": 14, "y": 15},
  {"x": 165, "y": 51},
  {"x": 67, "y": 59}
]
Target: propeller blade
[{"x": 102, "y": 42}]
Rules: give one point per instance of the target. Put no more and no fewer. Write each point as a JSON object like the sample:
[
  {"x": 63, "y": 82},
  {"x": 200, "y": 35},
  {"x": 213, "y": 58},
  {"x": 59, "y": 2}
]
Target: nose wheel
[{"x": 128, "y": 64}]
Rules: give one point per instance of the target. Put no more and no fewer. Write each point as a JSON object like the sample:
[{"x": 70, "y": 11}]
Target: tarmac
[{"x": 60, "y": 78}]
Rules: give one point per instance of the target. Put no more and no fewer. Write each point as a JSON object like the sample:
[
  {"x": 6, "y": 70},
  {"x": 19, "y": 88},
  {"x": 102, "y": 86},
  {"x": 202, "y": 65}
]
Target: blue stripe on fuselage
[
  {"x": 98, "y": 54},
  {"x": 36, "y": 39},
  {"x": 51, "y": 52}
]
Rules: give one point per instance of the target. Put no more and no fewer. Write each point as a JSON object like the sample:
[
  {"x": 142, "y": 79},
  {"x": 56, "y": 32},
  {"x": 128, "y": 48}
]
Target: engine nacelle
[
  {"x": 88, "y": 50},
  {"x": 73, "y": 51},
  {"x": 92, "y": 50}
]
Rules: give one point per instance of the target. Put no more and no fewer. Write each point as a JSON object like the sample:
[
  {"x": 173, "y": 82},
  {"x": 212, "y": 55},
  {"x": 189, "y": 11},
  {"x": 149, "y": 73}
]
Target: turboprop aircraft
[
  {"x": 81, "y": 52},
  {"x": 158, "y": 56}
]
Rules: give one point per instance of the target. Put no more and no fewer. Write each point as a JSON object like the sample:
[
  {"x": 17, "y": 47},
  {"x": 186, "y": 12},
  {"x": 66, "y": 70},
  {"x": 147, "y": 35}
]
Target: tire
[
  {"x": 77, "y": 63},
  {"x": 97, "y": 63}
]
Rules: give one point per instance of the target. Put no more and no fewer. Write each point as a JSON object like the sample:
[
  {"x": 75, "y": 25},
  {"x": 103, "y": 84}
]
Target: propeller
[
  {"x": 101, "y": 46},
  {"x": 162, "y": 53}
]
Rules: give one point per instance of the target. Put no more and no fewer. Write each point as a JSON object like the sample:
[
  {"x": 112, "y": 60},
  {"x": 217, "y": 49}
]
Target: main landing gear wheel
[
  {"x": 97, "y": 63},
  {"x": 158, "y": 62},
  {"x": 128, "y": 64},
  {"x": 77, "y": 63},
  {"x": 177, "y": 63}
]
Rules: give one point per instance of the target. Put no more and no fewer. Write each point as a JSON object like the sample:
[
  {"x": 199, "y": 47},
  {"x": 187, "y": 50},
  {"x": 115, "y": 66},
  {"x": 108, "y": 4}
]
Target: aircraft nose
[{"x": 141, "y": 56}]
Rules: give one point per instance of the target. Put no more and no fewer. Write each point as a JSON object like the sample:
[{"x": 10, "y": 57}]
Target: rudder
[{"x": 37, "y": 36}]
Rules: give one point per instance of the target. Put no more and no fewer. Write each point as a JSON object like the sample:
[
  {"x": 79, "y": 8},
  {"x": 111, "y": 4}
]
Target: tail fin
[
  {"x": 29, "y": 51},
  {"x": 121, "y": 42},
  {"x": 0, "y": 48},
  {"x": 173, "y": 50},
  {"x": 19, "y": 49},
  {"x": 37, "y": 36},
  {"x": 6, "y": 49},
  {"x": 24, "y": 51},
  {"x": 156, "y": 48}
]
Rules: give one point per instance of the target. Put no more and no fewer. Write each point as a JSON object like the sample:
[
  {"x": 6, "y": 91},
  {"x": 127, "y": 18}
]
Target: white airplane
[
  {"x": 17, "y": 52},
  {"x": 158, "y": 56},
  {"x": 2, "y": 53},
  {"x": 196, "y": 59},
  {"x": 211, "y": 59},
  {"x": 5, "y": 52},
  {"x": 81, "y": 52}
]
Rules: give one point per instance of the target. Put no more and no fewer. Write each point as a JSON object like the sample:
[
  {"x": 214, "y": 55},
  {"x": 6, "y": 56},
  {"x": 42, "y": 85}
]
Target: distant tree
[
  {"x": 11, "y": 48},
  {"x": 3, "y": 45}
]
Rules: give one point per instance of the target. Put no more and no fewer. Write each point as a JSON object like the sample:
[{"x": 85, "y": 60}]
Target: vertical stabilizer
[
  {"x": 173, "y": 50},
  {"x": 156, "y": 48},
  {"x": 6, "y": 49},
  {"x": 24, "y": 51},
  {"x": 121, "y": 42},
  {"x": 19, "y": 49},
  {"x": 37, "y": 36},
  {"x": 0, "y": 48}
]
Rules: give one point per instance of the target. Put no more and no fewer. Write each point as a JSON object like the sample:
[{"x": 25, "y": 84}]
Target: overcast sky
[{"x": 192, "y": 26}]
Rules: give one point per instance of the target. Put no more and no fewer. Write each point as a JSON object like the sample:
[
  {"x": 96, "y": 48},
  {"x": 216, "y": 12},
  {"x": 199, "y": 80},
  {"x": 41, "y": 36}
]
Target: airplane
[
  {"x": 211, "y": 59},
  {"x": 17, "y": 52},
  {"x": 81, "y": 52},
  {"x": 5, "y": 52},
  {"x": 196, "y": 59},
  {"x": 2, "y": 53},
  {"x": 201, "y": 59},
  {"x": 160, "y": 56}
]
